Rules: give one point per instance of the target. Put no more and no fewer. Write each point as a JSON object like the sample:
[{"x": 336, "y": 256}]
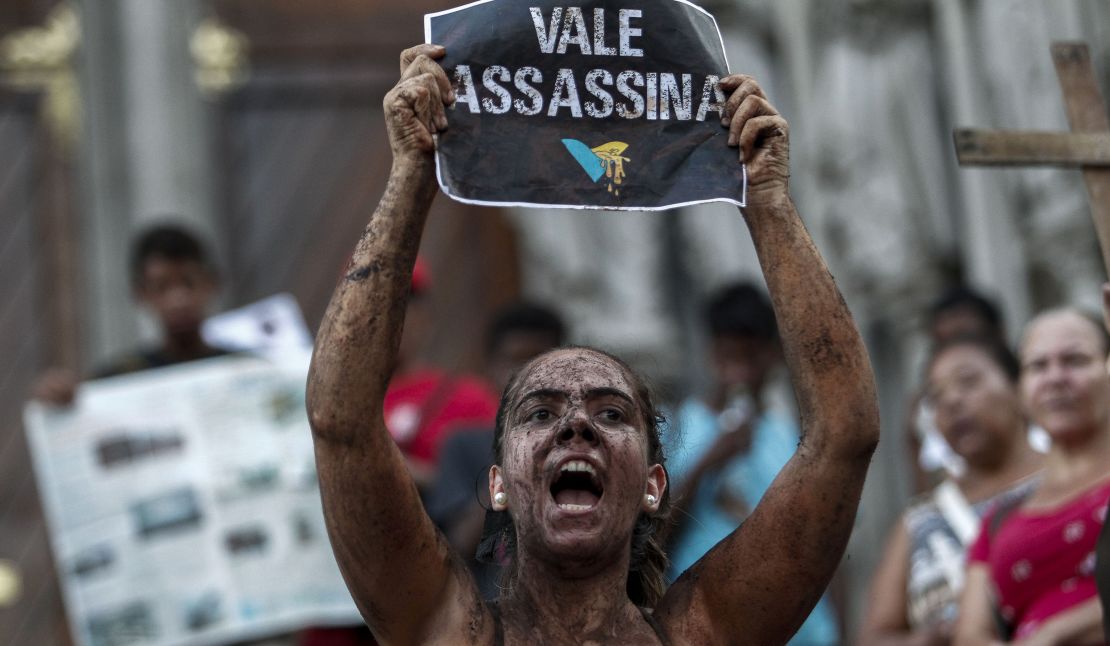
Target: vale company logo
[{"x": 606, "y": 159}]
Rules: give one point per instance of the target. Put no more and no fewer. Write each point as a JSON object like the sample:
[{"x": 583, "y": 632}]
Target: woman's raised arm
[
  {"x": 758, "y": 585},
  {"x": 397, "y": 566}
]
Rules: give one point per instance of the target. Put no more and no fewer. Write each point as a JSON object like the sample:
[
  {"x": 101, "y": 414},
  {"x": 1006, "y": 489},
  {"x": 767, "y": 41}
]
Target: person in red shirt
[
  {"x": 1031, "y": 571},
  {"x": 1102, "y": 552}
]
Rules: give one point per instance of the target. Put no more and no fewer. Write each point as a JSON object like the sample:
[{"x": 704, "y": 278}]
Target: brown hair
[{"x": 648, "y": 563}]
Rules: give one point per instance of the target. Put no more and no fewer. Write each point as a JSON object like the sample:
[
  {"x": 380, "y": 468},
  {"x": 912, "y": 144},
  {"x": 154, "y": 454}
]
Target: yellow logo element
[
  {"x": 606, "y": 159},
  {"x": 610, "y": 155}
]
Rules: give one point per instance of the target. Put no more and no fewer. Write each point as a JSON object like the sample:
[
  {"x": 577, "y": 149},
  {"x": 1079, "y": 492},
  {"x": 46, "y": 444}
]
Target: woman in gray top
[{"x": 915, "y": 592}]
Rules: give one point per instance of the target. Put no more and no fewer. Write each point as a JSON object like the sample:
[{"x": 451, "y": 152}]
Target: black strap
[{"x": 1001, "y": 513}]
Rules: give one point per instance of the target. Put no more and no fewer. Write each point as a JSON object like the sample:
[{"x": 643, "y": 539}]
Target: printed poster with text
[
  {"x": 610, "y": 104},
  {"x": 184, "y": 507}
]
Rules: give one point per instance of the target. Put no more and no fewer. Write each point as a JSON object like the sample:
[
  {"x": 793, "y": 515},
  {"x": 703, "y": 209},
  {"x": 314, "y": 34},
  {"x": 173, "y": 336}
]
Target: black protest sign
[{"x": 610, "y": 104}]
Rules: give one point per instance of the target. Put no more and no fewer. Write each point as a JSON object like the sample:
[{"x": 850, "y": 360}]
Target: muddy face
[
  {"x": 575, "y": 462},
  {"x": 977, "y": 408},
  {"x": 1064, "y": 383}
]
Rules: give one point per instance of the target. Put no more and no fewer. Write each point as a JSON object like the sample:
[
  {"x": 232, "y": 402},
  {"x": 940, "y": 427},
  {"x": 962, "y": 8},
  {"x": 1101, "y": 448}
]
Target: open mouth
[{"x": 577, "y": 487}]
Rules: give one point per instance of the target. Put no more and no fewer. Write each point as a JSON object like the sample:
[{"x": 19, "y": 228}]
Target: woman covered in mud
[{"x": 580, "y": 477}]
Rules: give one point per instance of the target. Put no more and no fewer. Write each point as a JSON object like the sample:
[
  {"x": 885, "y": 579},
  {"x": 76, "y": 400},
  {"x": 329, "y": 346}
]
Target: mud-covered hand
[
  {"x": 415, "y": 109},
  {"x": 762, "y": 135}
]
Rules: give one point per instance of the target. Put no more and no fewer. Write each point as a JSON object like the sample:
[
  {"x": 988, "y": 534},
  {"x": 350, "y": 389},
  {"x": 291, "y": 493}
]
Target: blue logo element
[
  {"x": 607, "y": 159},
  {"x": 586, "y": 158}
]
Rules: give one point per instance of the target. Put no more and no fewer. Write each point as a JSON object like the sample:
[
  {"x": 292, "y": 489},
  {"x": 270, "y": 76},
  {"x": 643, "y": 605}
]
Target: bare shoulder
[
  {"x": 682, "y": 613},
  {"x": 464, "y": 619},
  {"x": 762, "y": 580}
]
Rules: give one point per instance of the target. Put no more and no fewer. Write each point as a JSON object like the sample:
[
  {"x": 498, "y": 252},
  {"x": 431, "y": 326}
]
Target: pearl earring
[
  {"x": 650, "y": 500},
  {"x": 500, "y": 499}
]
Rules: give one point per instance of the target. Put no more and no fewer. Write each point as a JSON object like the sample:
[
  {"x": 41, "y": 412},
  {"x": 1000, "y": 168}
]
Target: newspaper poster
[
  {"x": 608, "y": 105},
  {"x": 184, "y": 507}
]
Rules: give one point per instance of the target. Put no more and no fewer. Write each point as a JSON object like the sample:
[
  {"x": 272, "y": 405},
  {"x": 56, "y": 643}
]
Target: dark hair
[
  {"x": 648, "y": 564},
  {"x": 525, "y": 317},
  {"x": 993, "y": 348},
  {"x": 961, "y": 297},
  {"x": 168, "y": 241},
  {"x": 741, "y": 309}
]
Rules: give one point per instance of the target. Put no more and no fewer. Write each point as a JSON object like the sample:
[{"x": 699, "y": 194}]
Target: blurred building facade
[{"x": 260, "y": 124}]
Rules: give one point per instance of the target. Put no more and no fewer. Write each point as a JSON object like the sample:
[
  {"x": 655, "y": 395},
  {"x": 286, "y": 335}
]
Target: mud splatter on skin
[
  {"x": 825, "y": 351},
  {"x": 533, "y": 449},
  {"x": 362, "y": 273},
  {"x": 575, "y": 364}
]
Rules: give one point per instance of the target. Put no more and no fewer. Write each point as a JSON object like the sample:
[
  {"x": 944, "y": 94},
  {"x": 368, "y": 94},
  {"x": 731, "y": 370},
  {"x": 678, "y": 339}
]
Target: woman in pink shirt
[{"x": 1031, "y": 572}]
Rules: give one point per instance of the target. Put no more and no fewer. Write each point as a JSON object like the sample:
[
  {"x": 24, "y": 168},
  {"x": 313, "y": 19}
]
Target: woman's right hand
[{"x": 415, "y": 109}]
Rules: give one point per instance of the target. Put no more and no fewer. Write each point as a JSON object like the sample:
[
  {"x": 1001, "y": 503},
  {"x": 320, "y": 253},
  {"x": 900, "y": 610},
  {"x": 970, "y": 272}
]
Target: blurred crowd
[{"x": 1009, "y": 451}]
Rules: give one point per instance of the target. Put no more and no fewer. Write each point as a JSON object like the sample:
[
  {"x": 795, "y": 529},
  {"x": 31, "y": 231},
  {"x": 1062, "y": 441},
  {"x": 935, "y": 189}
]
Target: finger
[
  {"x": 421, "y": 97},
  {"x": 434, "y": 111},
  {"x": 62, "y": 395},
  {"x": 402, "y": 106},
  {"x": 54, "y": 392},
  {"x": 51, "y": 385},
  {"x": 740, "y": 86},
  {"x": 422, "y": 65},
  {"x": 748, "y": 87},
  {"x": 422, "y": 94},
  {"x": 733, "y": 81},
  {"x": 423, "y": 49},
  {"x": 757, "y": 131},
  {"x": 753, "y": 106}
]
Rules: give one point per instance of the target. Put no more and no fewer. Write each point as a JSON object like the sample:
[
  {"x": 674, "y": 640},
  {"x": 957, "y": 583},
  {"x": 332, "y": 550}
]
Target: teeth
[
  {"x": 580, "y": 465},
  {"x": 570, "y": 507}
]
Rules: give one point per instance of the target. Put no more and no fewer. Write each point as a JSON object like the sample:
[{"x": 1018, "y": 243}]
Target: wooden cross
[{"x": 1087, "y": 146}]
